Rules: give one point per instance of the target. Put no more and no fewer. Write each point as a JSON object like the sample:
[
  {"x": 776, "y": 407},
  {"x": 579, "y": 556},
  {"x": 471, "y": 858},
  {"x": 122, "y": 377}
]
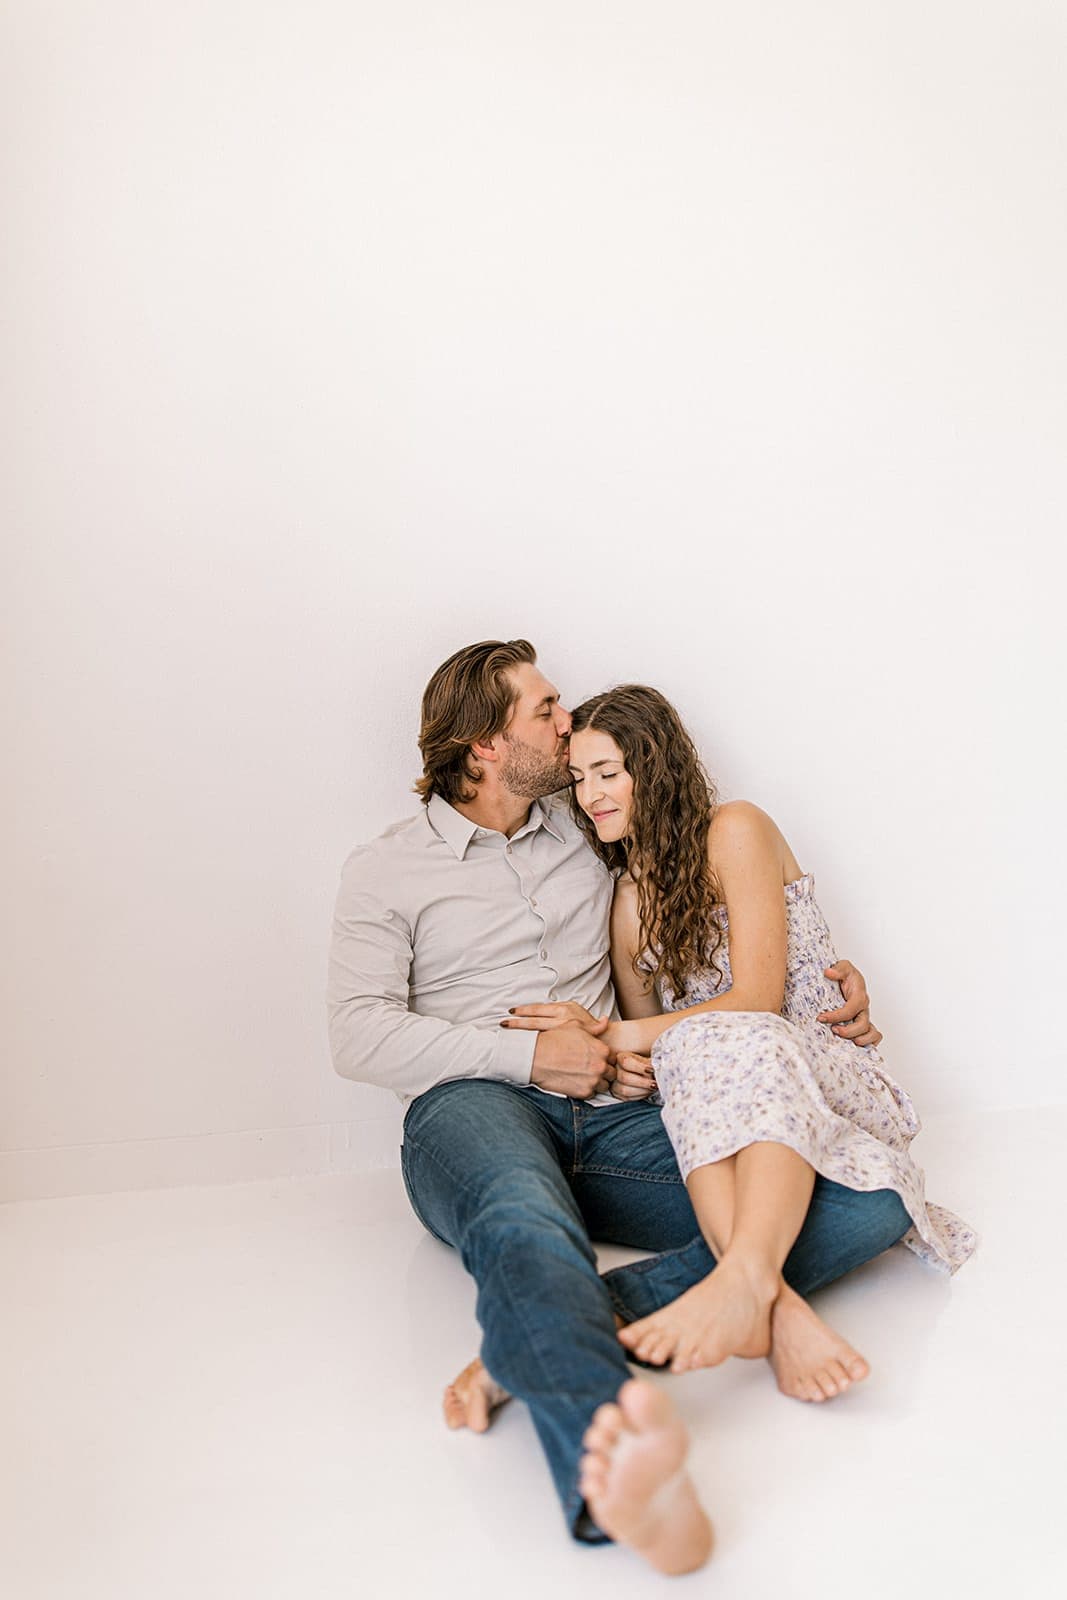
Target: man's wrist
[{"x": 513, "y": 1055}]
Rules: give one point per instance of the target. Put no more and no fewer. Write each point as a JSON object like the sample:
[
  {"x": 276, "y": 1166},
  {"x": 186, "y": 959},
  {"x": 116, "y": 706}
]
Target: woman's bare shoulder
[
  {"x": 740, "y": 826},
  {"x": 741, "y": 819}
]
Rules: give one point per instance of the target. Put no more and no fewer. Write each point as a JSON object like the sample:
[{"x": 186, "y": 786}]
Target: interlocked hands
[
  {"x": 559, "y": 1058},
  {"x": 580, "y": 1055}
]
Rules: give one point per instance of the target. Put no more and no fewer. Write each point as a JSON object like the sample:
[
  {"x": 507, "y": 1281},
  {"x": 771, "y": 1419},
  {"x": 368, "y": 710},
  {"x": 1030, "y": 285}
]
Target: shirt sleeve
[{"x": 374, "y": 1037}]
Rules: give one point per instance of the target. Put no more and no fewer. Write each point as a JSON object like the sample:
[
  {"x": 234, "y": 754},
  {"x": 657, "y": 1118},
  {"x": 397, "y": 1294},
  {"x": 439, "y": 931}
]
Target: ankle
[{"x": 764, "y": 1278}]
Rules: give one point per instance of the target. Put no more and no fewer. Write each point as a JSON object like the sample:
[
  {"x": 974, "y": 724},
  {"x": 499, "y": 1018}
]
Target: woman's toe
[
  {"x": 663, "y": 1350},
  {"x": 653, "y": 1342}
]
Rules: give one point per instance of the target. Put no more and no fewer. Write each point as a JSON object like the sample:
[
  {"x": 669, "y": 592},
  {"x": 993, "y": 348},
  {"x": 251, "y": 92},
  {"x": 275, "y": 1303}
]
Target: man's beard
[{"x": 526, "y": 772}]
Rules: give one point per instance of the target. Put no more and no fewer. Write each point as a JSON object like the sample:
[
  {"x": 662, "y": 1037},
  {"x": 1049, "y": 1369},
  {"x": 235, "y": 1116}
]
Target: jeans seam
[
  {"x": 429, "y": 1155},
  {"x": 534, "y": 1344},
  {"x": 649, "y": 1263},
  {"x": 597, "y": 1170}
]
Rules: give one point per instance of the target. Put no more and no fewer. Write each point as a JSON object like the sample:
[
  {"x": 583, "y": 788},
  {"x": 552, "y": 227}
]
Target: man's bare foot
[
  {"x": 634, "y": 1482},
  {"x": 473, "y": 1396},
  {"x": 810, "y": 1360},
  {"x": 470, "y": 1399},
  {"x": 727, "y": 1314}
]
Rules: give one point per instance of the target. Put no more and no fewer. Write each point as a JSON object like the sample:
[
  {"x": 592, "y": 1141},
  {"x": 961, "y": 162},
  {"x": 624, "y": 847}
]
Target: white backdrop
[{"x": 720, "y": 347}]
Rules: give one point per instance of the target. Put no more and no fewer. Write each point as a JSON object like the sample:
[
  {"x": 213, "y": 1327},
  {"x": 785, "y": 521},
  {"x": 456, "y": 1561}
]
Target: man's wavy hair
[
  {"x": 469, "y": 698},
  {"x": 673, "y": 802}
]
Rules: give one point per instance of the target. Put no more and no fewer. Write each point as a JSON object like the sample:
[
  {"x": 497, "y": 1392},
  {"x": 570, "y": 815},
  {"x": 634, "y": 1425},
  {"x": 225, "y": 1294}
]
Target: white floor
[{"x": 234, "y": 1392}]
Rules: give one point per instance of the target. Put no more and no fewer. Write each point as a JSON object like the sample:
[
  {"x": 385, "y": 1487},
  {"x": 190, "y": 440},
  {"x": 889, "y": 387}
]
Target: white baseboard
[{"x": 209, "y": 1158}]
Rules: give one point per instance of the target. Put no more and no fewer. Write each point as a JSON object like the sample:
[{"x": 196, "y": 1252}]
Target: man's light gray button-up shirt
[{"x": 440, "y": 926}]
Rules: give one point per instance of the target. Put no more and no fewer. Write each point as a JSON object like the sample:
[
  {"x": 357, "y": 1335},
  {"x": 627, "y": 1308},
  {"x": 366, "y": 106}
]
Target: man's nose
[{"x": 563, "y": 722}]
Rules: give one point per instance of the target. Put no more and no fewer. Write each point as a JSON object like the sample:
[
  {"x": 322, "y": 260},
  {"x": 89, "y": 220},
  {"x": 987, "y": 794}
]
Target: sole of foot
[{"x": 634, "y": 1482}]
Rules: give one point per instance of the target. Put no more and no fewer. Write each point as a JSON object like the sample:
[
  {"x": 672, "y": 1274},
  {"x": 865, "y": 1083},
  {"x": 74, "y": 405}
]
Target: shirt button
[
  {"x": 534, "y": 904},
  {"x": 544, "y": 955}
]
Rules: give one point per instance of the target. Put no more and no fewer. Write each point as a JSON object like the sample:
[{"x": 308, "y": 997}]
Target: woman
[{"x": 718, "y": 953}]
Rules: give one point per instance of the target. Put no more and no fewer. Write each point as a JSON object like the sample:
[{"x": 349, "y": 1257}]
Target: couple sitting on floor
[{"x": 730, "y": 1113}]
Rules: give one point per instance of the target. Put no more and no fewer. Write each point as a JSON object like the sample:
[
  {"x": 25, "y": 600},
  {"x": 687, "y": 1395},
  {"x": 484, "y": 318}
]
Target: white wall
[{"x": 716, "y": 346}]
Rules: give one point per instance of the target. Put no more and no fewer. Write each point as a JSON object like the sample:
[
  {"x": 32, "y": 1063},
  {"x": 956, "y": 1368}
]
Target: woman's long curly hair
[{"x": 667, "y": 845}]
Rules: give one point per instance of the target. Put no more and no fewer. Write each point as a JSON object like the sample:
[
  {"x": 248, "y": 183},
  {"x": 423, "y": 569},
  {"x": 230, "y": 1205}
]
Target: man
[{"x": 515, "y": 1152}]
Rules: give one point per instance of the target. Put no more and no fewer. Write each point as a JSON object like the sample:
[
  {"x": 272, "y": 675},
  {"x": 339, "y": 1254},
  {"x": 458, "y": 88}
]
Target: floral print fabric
[{"x": 730, "y": 1078}]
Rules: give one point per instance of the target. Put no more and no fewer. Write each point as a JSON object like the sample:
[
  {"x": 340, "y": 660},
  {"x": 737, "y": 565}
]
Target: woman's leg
[
  {"x": 772, "y": 1195},
  {"x": 745, "y": 1308},
  {"x": 713, "y": 1193},
  {"x": 843, "y": 1229},
  {"x": 729, "y": 1312}
]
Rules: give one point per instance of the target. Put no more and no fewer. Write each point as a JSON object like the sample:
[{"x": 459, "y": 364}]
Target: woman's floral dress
[{"x": 730, "y": 1078}]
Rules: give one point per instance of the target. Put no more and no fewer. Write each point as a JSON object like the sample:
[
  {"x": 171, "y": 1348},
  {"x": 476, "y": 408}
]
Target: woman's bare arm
[
  {"x": 750, "y": 859},
  {"x": 635, "y": 994},
  {"x": 752, "y": 863}
]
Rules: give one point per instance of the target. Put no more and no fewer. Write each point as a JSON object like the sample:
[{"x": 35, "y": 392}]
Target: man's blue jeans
[{"x": 519, "y": 1182}]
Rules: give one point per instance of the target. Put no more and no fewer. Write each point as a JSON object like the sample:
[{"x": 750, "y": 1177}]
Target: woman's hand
[
  {"x": 553, "y": 1015},
  {"x": 634, "y": 1078}
]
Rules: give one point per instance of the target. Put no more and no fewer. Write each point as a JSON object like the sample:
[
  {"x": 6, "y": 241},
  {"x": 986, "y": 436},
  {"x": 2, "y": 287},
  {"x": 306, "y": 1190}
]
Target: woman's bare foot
[
  {"x": 727, "y": 1314},
  {"x": 634, "y": 1482},
  {"x": 810, "y": 1360},
  {"x": 470, "y": 1399}
]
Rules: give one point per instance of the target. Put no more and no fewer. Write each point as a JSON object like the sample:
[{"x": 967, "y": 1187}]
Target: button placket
[{"x": 532, "y": 902}]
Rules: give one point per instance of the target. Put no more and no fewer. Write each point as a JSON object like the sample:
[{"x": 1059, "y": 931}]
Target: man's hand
[
  {"x": 852, "y": 1020},
  {"x": 569, "y": 1060},
  {"x": 634, "y": 1078}
]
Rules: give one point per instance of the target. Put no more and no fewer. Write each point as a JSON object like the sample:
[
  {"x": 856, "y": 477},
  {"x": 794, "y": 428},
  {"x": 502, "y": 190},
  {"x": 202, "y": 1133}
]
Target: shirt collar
[
  {"x": 457, "y": 831},
  {"x": 549, "y": 807}
]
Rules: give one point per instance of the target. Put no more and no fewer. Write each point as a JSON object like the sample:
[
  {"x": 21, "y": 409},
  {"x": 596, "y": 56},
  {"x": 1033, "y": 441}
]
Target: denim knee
[{"x": 528, "y": 1209}]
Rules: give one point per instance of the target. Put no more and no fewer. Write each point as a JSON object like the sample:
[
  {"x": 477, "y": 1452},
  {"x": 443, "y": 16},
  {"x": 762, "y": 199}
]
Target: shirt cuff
[{"x": 513, "y": 1055}]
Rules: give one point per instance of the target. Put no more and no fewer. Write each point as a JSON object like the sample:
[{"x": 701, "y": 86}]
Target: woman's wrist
[{"x": 625, "y": 1036}]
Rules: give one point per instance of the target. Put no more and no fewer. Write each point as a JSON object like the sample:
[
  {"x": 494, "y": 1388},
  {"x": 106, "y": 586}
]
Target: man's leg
[
  {"x": 482, "y": 1166},
  {"x": 631, "y": 1192}
]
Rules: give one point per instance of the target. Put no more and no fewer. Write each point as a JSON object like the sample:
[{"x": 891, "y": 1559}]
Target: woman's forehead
[{"x": 591, "y": 746}]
